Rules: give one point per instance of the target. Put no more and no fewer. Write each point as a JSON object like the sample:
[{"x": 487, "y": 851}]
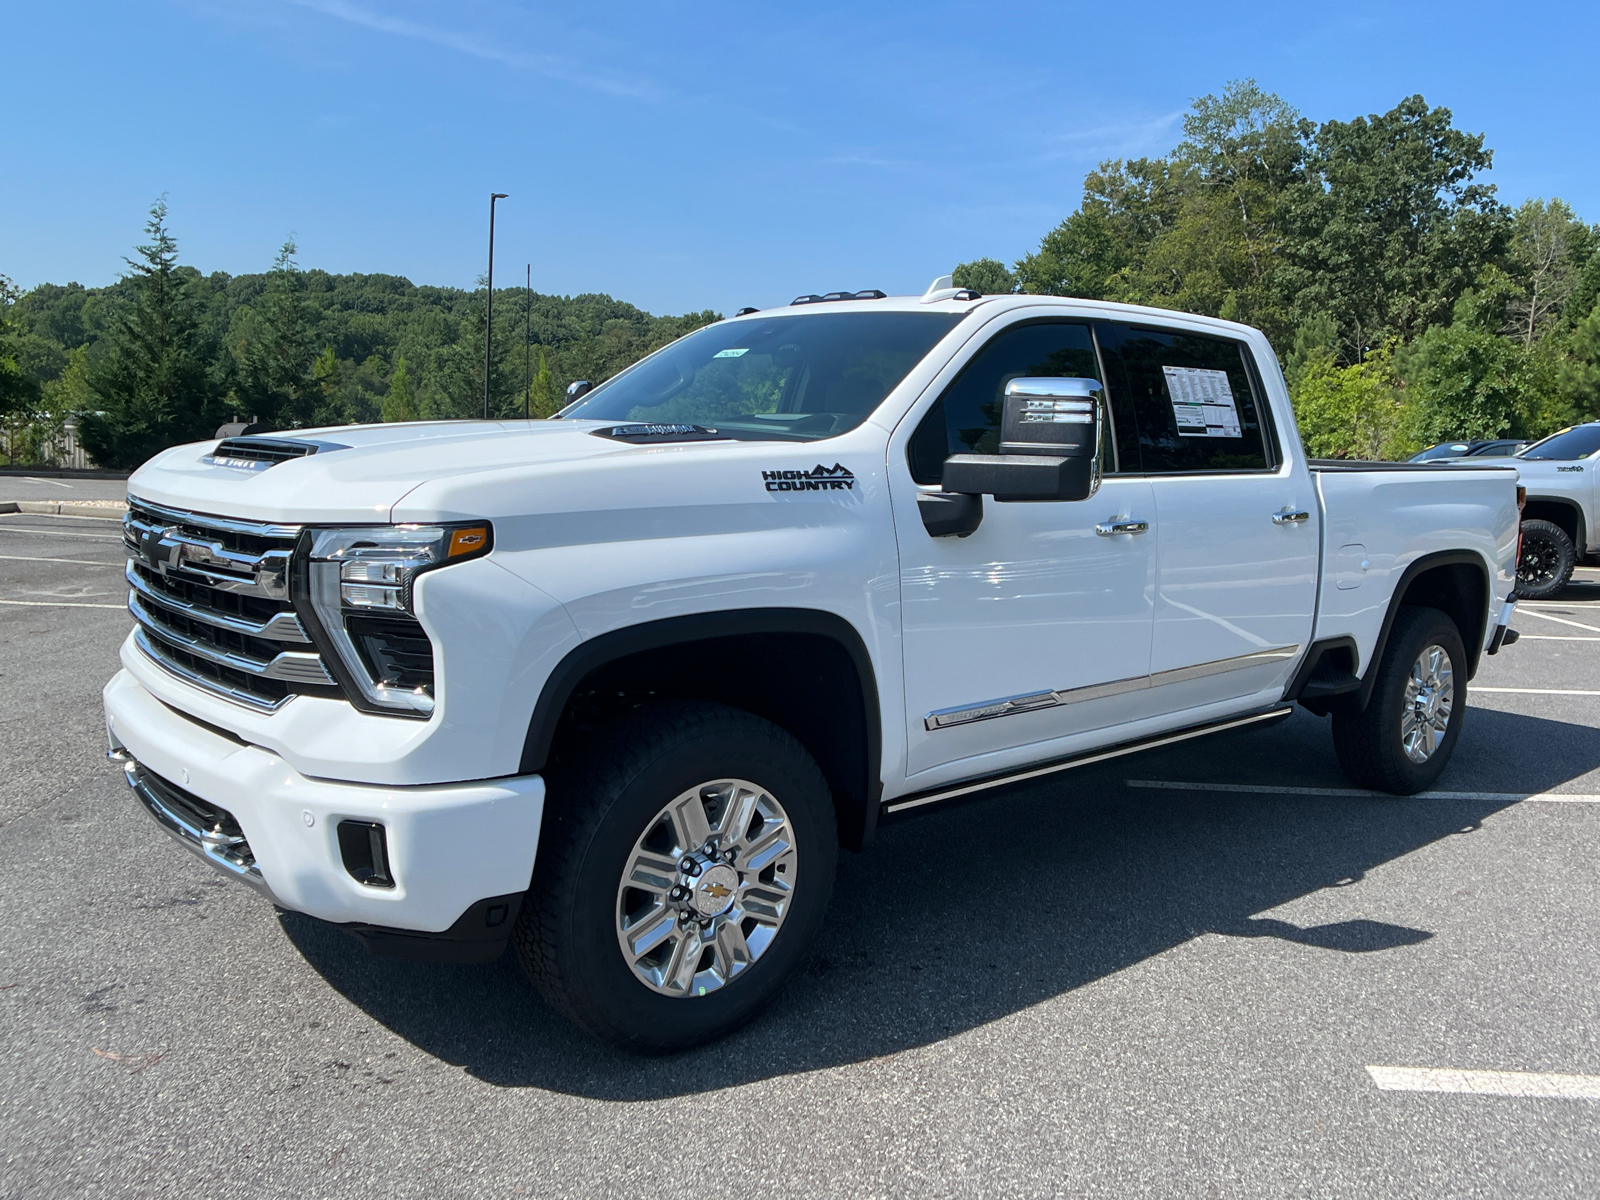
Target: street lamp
[{"x": 488, "y": 310}]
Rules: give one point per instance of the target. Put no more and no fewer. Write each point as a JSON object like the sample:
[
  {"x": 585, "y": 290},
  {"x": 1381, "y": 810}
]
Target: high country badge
[{"x": 836, "y": 478}]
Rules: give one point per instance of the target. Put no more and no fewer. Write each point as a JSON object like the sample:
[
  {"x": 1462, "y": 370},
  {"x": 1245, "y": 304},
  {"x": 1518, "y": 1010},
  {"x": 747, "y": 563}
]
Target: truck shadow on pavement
[{"x": 968, "y": 914}]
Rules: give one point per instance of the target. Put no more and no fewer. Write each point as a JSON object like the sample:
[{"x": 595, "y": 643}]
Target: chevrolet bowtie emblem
[
  {"x": 716, "y": 891},
  {"x": 150, "y": 548}
]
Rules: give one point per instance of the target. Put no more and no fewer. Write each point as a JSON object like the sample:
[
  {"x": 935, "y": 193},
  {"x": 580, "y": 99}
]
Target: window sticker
[
  {"x": 1202, "y": 402},
  {"x": 731, "y": 353}
]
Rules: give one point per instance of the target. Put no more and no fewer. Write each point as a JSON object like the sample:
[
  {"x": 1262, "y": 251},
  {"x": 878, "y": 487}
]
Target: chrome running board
[{"x": 1084, "y": 760}]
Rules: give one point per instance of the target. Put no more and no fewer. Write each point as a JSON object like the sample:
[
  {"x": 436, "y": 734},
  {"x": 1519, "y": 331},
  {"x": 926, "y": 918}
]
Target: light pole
[{"x": 488, "y": 310}]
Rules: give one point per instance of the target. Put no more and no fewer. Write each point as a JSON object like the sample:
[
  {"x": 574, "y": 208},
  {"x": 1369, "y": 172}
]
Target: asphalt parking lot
[{"x": 1099, "y": 984}]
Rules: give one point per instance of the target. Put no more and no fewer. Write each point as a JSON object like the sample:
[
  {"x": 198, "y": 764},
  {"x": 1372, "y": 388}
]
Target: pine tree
[
  {"x": 152, "y": 388},
  {"x": 542, "y": 399},
  {"x": 274, "y": 349},
  {"x": 401, "y": 402}
]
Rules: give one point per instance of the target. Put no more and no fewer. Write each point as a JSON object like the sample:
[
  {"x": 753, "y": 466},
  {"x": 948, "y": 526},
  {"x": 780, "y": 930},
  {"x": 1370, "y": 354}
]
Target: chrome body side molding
[
  {"x": 964, "y": 714},
  {"x": 1084, "y": 760}
]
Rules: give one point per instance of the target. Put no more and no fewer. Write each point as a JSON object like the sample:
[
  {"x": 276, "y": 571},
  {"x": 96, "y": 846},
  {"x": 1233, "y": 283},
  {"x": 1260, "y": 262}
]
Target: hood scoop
[
  {"x": 648, "y": 434},
  {"x": 259, "y": 453}
]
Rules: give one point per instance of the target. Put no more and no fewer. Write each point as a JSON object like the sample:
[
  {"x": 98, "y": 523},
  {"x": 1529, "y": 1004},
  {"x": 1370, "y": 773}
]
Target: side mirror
[
  {"x": 578, "y": 390},
  {"x": 1049, "y": 450},
  {"x": 1049, "y": 445}
]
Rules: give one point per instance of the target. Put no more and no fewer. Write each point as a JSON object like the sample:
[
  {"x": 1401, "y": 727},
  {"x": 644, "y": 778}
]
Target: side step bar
[{"x": 1066, "y": 764}]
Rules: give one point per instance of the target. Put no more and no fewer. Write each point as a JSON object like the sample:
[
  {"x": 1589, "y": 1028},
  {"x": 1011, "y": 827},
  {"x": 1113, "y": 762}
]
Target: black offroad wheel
[
  {"x": 1548, "y": 557},
  {"x": 1404, "y": 739},
  {"x": 684, "y": 866}
]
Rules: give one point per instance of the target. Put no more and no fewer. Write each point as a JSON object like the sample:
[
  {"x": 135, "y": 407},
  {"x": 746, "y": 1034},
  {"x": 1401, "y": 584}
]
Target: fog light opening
[{"x": 364, "y": 846}]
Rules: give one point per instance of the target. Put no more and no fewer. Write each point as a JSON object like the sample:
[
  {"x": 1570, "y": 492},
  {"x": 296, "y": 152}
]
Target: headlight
[{"x": 360, "y": 585}]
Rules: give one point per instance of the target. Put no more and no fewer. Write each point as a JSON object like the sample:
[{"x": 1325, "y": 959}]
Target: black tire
[
  {"x": 599, "y": 806},
  {"x": 1369, "y": 743},
  {"x": 1546, "y": 562}
]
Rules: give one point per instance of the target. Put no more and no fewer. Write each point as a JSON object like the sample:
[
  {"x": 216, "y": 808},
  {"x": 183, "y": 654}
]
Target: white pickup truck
[{"x": 615, "y": 687}]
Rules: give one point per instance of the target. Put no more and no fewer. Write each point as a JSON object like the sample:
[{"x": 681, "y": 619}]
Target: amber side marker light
[{"x": 467, "y": 541}]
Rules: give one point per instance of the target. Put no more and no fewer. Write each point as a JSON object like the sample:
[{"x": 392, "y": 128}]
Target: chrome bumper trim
[
  {"x": 211, "y": 846},
  {"x": 965, "y": 714}
]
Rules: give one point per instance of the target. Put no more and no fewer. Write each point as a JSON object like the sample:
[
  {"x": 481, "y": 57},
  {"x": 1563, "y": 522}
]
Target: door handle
[
  {"x": 1113, "y": 527},
  {"x": 1291, "y": 517}
]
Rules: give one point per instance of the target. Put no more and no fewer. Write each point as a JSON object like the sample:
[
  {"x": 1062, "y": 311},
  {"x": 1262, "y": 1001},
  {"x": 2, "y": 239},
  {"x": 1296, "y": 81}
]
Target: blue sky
[{"x": 685, "y": 156}]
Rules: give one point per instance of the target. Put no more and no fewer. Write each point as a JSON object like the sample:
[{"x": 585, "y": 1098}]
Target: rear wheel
[
  {"x": 685, "y": 864},
  {"x": 1403, "y": 740},
  {"x": 1548, "y": 557}
]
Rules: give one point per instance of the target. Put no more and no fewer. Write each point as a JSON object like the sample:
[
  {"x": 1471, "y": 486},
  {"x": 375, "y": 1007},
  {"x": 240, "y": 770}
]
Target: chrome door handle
[
  {"x": 1114, "y": 527},
  {"x": 1286, "y": 517}
]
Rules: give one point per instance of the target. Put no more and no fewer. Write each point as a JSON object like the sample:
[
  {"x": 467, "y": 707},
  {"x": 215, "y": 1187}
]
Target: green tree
[
  {"x": 1317, "y": 337},
  {"x": 401, "y": 402},
  {"x": 1465, "y": 381},
  {"x": 274, "y": 348},
  {"x": 1355, "y": 411},
  {"x": 542, "y": 400},
  {"x": 19, "y": 394},
  {"x": 1585, "y": 291},
  {"x": 986, "y": 276},
  {"x": 153, "y": 388},
  {"x": 1201, "y": 230},
  {"x": 1389, "y": 227},
  {"x": 1579, "y": 372},
  {"x": 1547, "y": 252}
]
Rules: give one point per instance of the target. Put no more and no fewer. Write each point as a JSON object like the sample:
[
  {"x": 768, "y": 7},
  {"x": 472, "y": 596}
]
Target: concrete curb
[{"x": 108, "y": 510}]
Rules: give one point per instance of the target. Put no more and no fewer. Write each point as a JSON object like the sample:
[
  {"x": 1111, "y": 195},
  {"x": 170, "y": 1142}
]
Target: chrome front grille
[{"x": 211, "y": 596}]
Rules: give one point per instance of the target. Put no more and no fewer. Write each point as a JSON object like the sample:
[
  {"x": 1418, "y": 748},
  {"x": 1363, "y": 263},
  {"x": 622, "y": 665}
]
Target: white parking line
[
  {"x": 1272, "y": 789},
  {"x": 84, "y": 562},
  {"x": 60, "y": 604},
  {"x": 1552, "y": 637},
  {"x": 1539, "y": 691},
  {"x": 1487, "y": 1083},
  {"x": 93, "y": 537},
  {"x": 111, "y": 515},
  {"x": 1560, "y": 620},
  {"x": 69, "y": 487}
]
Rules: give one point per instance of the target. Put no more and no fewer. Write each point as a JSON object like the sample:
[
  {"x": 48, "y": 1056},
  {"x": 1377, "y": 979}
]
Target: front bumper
[{"x": 449, "y": 845}]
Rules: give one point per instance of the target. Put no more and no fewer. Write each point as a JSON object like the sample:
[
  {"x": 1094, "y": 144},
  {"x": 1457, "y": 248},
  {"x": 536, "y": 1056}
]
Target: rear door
[{"x": 1236, "y": 584}]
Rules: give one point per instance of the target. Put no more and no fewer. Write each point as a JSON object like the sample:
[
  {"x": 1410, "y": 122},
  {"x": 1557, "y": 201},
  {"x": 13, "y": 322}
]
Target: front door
[
  {"x": 1236, "y": 589},
  {"x": 1038, "y": 625}
]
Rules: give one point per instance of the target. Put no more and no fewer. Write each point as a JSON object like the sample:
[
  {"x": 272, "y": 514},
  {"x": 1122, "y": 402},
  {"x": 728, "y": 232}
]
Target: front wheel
[
  {"x": 1403, "y": 740},
  {"x": 1548, "y": 557},
  {"x": 685, "y": 864}
]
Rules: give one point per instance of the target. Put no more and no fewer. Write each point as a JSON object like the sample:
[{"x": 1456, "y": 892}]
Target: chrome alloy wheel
[
  {"x": 1429, "y": 701},
  {"x": 706, "y": 888}
]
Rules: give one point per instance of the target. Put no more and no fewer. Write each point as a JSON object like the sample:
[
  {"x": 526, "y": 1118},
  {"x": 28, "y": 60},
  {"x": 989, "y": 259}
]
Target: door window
[
  {"x": 966, "y": 419},
  {"x": 1194, "y": 401}
]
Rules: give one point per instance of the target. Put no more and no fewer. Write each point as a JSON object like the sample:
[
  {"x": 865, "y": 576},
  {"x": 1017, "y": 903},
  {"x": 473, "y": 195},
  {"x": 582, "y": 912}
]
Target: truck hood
[{"x": 360, "y": 472}]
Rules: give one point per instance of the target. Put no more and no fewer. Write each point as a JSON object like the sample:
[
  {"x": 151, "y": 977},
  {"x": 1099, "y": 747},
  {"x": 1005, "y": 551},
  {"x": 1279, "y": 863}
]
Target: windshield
[
  {"x": 1578, "y": 442},
  {"x": 1443, "y": 450},
  {"x": 795, "y": 377}
]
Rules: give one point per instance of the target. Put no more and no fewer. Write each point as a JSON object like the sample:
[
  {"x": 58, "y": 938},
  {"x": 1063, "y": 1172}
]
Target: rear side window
[
  {"x": 1193, "y": 400},
  {"x": 966, "y": 419}
]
